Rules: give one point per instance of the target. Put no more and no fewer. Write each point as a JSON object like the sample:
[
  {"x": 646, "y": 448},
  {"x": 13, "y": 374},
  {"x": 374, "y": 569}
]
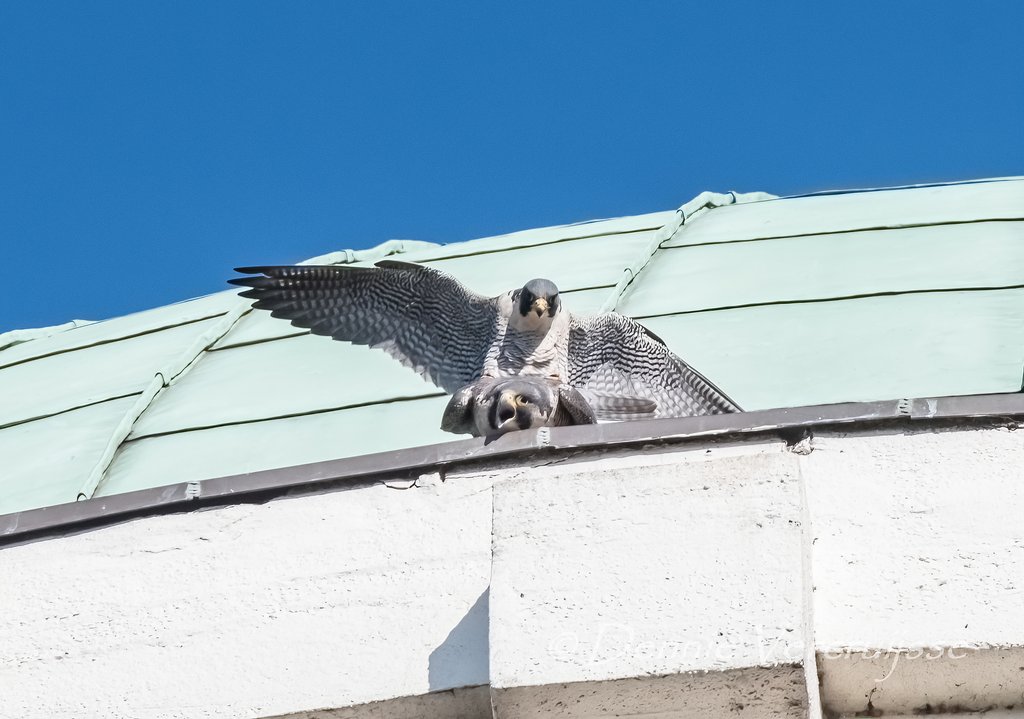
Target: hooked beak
[
  {"x": 507, "y": 408},
  {"x": 540, "y": 306}
]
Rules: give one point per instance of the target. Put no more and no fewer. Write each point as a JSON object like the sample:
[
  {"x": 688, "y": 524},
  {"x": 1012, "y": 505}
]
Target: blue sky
[{"x": 146, "y": 148}]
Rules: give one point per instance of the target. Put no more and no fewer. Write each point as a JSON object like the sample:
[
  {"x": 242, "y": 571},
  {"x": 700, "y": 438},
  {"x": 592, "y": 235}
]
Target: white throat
[{"x": 531, "y": 323}]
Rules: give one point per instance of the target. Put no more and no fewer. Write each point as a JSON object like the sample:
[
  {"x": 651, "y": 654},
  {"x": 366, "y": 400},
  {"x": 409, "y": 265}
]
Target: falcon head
[
  {"x": 518, "y": 404},
  {"x": 538, "y": 300}
]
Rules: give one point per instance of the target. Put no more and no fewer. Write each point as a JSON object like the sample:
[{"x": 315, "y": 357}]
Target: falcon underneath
[{"x": 492, "y": 406}]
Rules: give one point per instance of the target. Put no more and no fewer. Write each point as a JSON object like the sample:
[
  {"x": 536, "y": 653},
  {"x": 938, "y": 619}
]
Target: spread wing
[
  {"x": 425, "y": 319},
  {"x": 655, "y": 372}
]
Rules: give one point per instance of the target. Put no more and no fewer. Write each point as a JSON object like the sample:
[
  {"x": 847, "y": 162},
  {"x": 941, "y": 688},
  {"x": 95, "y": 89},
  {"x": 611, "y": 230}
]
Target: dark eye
[{"x": 524, "y": 400}]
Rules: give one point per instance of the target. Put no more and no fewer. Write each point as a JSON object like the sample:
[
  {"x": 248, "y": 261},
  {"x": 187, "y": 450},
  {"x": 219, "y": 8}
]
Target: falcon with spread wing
[{"x": 430, "y": 322}]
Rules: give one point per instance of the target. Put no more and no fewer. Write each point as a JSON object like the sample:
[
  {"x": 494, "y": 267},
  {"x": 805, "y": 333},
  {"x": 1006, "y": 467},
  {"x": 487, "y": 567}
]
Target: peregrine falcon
[
  {"x": 430, "y": 322},
  {"x": 495, "y": 405}
]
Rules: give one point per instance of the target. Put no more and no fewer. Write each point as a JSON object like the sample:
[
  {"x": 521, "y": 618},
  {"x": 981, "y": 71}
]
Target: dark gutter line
[
  {"x": 290, "y": 415},
  {"x": 263, "y": 485}
]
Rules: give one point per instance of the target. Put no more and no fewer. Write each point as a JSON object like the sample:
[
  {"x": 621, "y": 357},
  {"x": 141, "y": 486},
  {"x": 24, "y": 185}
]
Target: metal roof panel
[
  {"x": 278, "y": 378},
  {"x": 989, "y": 254},
  {"x": 821, "y": 214},
  {"x": 252, "y": 446},
  {"x": 47, "y": 461},
  {"x": 132, "y": 325},
  {"x": 90, "y": 374},
  {"x": 912, "y": 345}
]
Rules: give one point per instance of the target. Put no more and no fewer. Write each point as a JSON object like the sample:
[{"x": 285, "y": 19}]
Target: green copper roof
[{"x": 847, "y": 296}]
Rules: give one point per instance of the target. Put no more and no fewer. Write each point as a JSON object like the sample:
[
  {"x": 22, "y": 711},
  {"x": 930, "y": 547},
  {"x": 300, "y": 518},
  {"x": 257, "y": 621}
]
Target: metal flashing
[
  {"x": 692, "y": 210},
  {"x": 263, "y": 485},
  {"x": 859, "y": 190},
  {"x": 160, "y": 380}
]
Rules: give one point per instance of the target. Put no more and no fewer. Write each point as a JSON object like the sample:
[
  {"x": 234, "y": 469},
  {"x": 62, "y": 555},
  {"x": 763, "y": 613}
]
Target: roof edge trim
[{"x": 259, "y": 486}]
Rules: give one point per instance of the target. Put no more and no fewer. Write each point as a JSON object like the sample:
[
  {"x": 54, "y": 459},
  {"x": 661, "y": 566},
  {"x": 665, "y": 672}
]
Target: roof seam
[
  {"x": 165, "y": 376},
  {"x": 111, "y": 340},
  {"x": 880, "y": 228},
  {"x": 20, "y": 336},
  {"x": 699, "y": 205},
  {"x": 19, "y": 422},
  {"x": 842, "y": 298},
  {"x": 538, "y": 244},
  {"x": 161, "y": 379},
  {"x": 289, "y": 415}
]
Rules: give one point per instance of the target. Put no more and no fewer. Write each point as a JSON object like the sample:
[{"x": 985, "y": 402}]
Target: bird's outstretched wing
[
  {"x": 615, "y": 397},
  {"x": 655, "y": 372},
  {"x": 425, "y": 319}
]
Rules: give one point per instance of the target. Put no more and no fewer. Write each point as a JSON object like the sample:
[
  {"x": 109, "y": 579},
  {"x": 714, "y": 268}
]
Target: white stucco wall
[
  {"x": 254, "y": 610},
  {"x": 680, "y": 568},
  {"x": 919, "y": 546},
  {"x": 707, "y": 579}
]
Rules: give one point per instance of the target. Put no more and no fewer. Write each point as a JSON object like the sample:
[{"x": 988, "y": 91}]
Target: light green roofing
[{"x": 837, "y": 297}]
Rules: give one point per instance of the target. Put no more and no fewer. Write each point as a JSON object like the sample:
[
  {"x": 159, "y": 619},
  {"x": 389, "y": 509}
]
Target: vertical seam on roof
[
  {"x": 162, "y": 378},
  {"x": 688, "y": 213}
]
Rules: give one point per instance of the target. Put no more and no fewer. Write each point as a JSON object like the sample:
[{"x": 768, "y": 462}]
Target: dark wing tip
[
  {"x": 244, "y": 281},
  {"x": 261, "y": 276}
]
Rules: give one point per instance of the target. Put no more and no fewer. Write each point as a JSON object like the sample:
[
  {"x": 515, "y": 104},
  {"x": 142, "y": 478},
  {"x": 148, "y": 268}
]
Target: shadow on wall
[{"x": 463, "y": 658}]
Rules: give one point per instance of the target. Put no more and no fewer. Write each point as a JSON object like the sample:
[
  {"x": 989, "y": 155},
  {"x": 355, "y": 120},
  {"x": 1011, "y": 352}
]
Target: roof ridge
[{"x": 688, "y": 212}]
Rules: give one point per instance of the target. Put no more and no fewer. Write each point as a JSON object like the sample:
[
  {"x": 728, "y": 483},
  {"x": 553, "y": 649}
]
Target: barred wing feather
[
  {"x": 653, "y": 370},
  {"x": 424, "y": 318}
]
